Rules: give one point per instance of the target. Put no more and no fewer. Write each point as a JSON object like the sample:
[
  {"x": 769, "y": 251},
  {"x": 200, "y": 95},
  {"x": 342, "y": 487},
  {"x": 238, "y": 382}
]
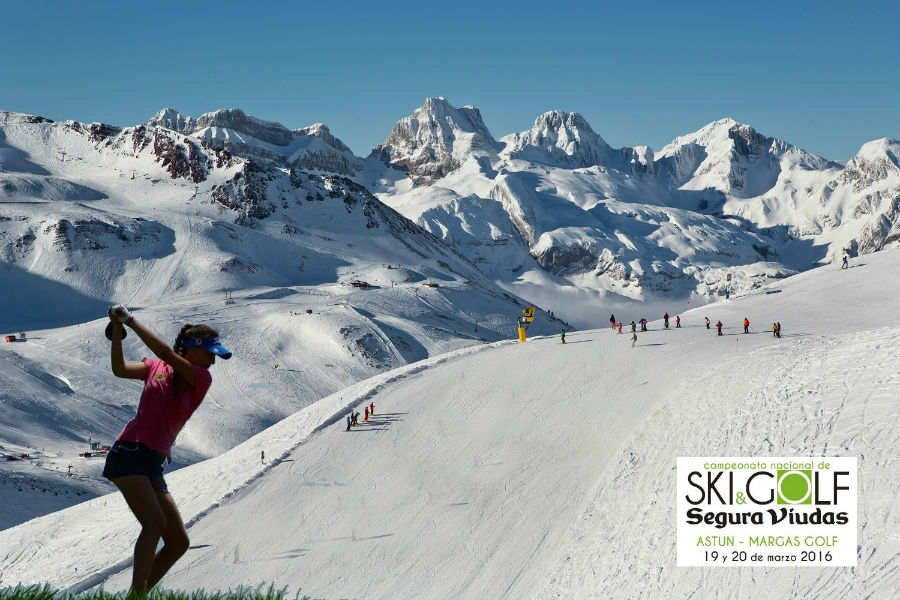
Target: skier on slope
[
  {"x": 563, "y": 336},
  {"x": 845, "y": 264},
  {"x": 612, "y": 321},
  {"x": 633, "y": 338},
  {"x": 746, "y": 325},
  {"x": 643, "y": 324},
  {"x": 719, "y": 327},
  {"x": 175, "y": 384},
  {"x": 666, "y": 319},
  {"x": 633, "y": 327},
  {"x": 372, "y": 408},
  {"x": 677, "y": 321},
  {"x": 620, "y": 327},
  {"x": 707, "y": 322}
]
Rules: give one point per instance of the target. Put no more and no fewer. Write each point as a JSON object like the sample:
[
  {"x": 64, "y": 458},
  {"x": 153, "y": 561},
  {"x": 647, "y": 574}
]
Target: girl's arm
[
  {"x": 163, "y": 351},
  {"x": 119, "y": 367}
]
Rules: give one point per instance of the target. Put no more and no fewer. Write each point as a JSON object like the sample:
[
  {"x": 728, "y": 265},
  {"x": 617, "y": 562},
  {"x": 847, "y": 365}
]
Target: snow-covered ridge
[
  {"x": 233, "y": 118},
  {"x": 231, "y": 130}
]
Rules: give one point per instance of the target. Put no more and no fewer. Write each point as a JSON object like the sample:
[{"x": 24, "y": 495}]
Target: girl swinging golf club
[{"x": 174, "y": 386}]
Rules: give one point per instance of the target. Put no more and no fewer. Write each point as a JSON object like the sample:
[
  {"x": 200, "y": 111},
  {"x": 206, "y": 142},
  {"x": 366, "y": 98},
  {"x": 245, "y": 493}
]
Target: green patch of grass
[{"x": 44, "y": 592}]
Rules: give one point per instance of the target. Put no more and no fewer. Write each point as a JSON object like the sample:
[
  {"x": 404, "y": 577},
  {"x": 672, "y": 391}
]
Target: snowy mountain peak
[
  {"x": 731, "y": 157},
  {"x": 435, "y": 140},
  {"x": 235, "y": 119},
  {"x": 312, "y": 148},
  {"x": 170, "y": 118},
  {"x": 321, "y": 131},
  {"x": 707, "y": 135},
  {"x": 559, "y": 138},
  {"x": 872, "y": 172},
  {"x": 8, "y": 118},
  {"x": 882, "y": 149}
]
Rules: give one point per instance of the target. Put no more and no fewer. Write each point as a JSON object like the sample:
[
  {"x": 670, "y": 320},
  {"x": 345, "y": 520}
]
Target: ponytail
[
  {"x": 179, "y": 341},
  {"x": 188, "y": 332}
]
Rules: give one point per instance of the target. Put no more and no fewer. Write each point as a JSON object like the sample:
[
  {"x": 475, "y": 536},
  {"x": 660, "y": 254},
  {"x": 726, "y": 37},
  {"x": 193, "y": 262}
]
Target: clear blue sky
[{"x": 822, "y": 75}]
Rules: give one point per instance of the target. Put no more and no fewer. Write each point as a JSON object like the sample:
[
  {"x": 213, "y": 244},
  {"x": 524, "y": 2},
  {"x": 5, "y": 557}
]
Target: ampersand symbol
[{"x": 740, "y": 498}]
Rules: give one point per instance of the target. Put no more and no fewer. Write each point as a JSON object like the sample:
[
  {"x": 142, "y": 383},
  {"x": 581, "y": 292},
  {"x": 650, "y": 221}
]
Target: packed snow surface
[{"x": 534, "y": 470}]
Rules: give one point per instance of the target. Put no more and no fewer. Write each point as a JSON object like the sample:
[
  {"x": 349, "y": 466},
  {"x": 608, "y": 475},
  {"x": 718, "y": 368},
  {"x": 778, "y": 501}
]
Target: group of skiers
[
  {"x": 614, "y": 325},
  {"x": 776, "y": 327},
  {"x": 353, "y": 417}
]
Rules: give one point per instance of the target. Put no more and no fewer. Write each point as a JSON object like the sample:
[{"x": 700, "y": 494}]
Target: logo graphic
[{"x": 753, "y": 511}]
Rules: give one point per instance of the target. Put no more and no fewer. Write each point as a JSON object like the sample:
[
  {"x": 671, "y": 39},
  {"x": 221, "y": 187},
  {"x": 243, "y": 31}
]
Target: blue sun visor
[{"x": 210, "y": 343}]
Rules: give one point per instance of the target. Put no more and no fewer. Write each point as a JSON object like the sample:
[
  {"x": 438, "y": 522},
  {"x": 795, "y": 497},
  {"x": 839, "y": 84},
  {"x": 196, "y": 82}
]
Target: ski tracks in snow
[{"x": 810, "y": 397}]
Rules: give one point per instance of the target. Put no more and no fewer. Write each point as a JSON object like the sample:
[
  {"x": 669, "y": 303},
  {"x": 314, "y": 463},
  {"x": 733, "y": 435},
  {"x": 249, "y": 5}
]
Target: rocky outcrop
[
  {"x": 68, "y": 235},
  {"x": 10, "y": 118},
  {"x": 327, "y": 160},
  {"x": 181, "y": 160},
  {"x": 246, "y": 194},
  {"x": 884, "y": 231},
  {"x": 565, "y": 259}
]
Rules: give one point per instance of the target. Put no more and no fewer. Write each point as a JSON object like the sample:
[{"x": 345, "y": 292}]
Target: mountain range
[{"x": 556, "y": 215}]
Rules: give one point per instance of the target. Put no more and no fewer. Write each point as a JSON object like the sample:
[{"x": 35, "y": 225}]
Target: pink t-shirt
[{"x": 166, "y": 405}]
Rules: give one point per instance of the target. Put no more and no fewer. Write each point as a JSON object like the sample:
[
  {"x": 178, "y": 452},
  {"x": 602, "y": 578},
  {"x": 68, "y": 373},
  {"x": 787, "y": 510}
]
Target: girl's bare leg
[
  {"x": 174, "y": 536},
  {"x": 143, "y": 502}
]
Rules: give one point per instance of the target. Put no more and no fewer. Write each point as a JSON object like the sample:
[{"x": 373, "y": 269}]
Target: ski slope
[
  {"x": 293, "y": 346},
  {"x": 535, "y": 470}
]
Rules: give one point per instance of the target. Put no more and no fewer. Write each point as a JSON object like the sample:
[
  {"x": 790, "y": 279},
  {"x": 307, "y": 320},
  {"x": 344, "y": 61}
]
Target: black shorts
[{"x": 135, "y": 458}]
